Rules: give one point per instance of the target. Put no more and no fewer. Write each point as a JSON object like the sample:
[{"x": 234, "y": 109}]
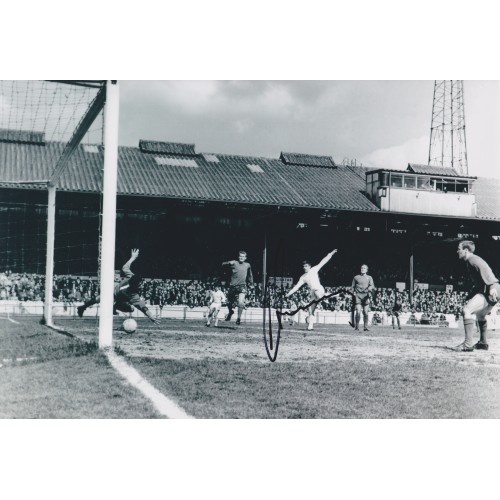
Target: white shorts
[
  {"x": 479, "y": 306},
  {"x": 317, "y": 294},
  {"x": 215, "y": 306}
]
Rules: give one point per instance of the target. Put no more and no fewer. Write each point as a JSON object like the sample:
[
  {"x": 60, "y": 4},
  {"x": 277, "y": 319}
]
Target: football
[{"x": 129, "y": 325}]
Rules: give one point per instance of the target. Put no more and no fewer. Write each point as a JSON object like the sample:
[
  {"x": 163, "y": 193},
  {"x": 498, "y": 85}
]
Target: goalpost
[
  {"x": 42, "y": 126},
  {"x": 109, "y": 215}
]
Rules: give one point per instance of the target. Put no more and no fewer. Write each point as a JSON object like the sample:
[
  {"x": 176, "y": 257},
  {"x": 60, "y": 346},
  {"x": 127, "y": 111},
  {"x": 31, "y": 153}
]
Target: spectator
[{"x": 70, "y": 289}]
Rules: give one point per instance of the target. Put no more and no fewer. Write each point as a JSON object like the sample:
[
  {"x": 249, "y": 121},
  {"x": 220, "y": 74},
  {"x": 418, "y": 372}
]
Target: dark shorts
[
  {"x": 362, "y": 299},
  {"x": 126, "y": 301},
  {"x": 125, "y": 307},
  {"x": 234, "y": 291}
]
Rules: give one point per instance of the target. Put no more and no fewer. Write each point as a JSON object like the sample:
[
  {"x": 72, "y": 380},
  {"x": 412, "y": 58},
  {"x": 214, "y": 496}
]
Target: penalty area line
[{"x": 164, "y": 405}]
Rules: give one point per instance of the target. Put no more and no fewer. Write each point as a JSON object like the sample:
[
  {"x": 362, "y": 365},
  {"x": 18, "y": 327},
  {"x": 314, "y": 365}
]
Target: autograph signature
[
  {"x": 272, "y": 337},
  {"x": 341, "y": 291},
  {"x": 268, "y": 330}
]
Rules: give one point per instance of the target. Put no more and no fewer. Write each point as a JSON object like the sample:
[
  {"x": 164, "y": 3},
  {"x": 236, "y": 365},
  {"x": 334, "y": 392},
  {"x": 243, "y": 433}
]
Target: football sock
[
  {"x": 89, "y": 303},
  {"x": 469, "y": 332},
  {"x": 483, "y": 326}
]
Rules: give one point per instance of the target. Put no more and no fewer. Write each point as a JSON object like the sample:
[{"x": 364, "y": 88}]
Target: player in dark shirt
[
  {"x": 126, "y": 293},
  {"x": 362, "y": 287},
  {"x": 396, "y": 310},
  {"x": 241, "y": 275},
  {"x": 484, "y": 295}
]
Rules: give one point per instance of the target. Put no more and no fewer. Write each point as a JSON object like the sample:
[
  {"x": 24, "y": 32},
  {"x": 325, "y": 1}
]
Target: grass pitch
[
  {"x": 44, "y": 374},
  {"x": 330, "y": 373}
]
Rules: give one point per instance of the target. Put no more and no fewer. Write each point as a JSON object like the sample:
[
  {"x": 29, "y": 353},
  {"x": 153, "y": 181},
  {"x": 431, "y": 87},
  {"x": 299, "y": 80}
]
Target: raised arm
[
  {"x": 326, "y": 259},
  {"x": 228, "y": 263},
  {"x": 296, "y": 287},
  {"x": 126, "y": 267}
]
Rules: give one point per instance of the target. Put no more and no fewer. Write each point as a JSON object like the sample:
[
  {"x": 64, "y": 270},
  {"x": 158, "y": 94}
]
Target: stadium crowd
[{"x": 74, "y": 289}]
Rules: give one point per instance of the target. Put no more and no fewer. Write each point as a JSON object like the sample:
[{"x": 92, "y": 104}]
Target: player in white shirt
[
  {"x": 217, "y": 297},
  {"x": 311, "y": 279}
]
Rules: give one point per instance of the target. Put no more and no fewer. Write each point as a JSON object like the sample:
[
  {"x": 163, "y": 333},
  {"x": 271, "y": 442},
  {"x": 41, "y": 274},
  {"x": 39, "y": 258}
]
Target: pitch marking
[
  {"x": 12, "y": 320},
  {"x": 164, "y": 405}
]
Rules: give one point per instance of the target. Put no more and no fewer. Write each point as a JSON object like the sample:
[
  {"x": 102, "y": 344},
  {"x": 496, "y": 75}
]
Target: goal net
[{"x": 52, "y": 138}]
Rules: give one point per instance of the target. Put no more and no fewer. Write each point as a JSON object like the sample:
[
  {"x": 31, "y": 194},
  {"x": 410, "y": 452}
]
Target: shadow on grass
[
  {"x": 441, "y": 347},
  {"x": 453, "y": 349}
]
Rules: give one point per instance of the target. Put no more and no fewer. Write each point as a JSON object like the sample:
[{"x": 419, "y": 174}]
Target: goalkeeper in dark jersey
[
  {"x": 483, "y": 297},
  {"x": 241, "y": 276},
  {"x": 126, "y": 294}
]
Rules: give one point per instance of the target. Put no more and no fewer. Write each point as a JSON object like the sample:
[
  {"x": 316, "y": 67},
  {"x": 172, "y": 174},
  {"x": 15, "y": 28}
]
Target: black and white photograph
[
  {"x": 250, "y": 249},
  {"x": 263, "y": 262}
]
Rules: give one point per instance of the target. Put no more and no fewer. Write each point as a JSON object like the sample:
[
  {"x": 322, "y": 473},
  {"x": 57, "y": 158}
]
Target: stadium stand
[
  {"x": 189, "y": 211},
  {"x": 76, "y": 289},
  {"x": 293, "y": 180}
]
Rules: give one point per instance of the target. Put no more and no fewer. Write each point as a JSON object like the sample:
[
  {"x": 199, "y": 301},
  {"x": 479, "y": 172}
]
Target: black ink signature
[
  {"x": 342, "y": 291},
  {"x": 272, "y": 342},
  {"x": 267, "y": 331}
]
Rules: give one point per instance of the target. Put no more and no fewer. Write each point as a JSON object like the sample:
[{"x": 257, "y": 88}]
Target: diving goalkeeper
[{"x": 126, "y": 294}]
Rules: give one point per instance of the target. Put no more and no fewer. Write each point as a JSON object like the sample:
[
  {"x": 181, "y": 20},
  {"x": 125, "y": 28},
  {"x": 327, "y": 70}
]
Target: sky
[{"x": 378, "y": 123}]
